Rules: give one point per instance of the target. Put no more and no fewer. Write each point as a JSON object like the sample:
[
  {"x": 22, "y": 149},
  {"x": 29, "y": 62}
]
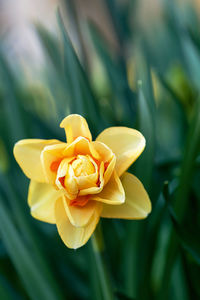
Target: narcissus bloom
[{"x": 73, "y": 184}]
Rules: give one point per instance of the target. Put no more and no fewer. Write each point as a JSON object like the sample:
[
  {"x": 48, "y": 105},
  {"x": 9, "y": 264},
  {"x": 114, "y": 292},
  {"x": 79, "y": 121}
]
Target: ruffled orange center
[
  {"x": 82, "y": 171},
  {"x": 83, "y": 166}
]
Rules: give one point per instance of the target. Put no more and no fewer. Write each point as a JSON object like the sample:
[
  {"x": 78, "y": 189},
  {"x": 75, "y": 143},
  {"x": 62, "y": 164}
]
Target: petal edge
[
  {"x": 75, "y": 126},
  {"x": 137, "y": 204},
  {"x": 41, "y": 199},
  {"x": 27, "y": 154},
  {"x": 73, "y": 237},
  {"x": 126, "y": 143}
]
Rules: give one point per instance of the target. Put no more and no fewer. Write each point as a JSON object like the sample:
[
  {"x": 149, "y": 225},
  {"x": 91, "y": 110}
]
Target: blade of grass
[
  {"x": 4, "y": 290},
  {"x": 10, "y": 101},
  {"x": 147, "y": 127},
  {"x": 117, "y": 75},
  {"x": 71, "y": 8},
  {"x": 181, "y": 198},
  {"x": 146, "y": 124},
  {"x": 115, "y": 16},
  {"x": 33, "y": 241},
  {"x": 82, "y": 97},
  {"x": 34, "y": 281},
  {"x": 187, "y": 236}
]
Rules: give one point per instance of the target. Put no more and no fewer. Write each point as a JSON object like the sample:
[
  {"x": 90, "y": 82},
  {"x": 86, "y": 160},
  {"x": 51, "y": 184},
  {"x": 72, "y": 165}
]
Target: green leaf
[
  {"x": 147, "y": 128},
  {"x": 190, "y": 154},
  {"x": 146, "y": 119},
  {"x": 192, "y": 60},
  {"x": 83, "y": 100},
  {"x": 123, "y": 99},
  {"x": 181, "y": 196},
  {"x": 122, "y": 296},
  {"x": 34, "y": 280},
  {"x": 115, "y": 12},
  {"x": 188, "y": 237},
  {"x": 11, "y": 102},
  {"x": 50, "y": 45},
  {"x": 5, "y": 292}
]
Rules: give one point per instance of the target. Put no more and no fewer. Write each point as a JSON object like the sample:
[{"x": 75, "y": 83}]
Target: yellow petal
[
  {"x": 70, "y": 182},
  {"x": 71, "y": 189},
  {"x": 87, "y": 181},
  {"x": 107, "y": 156},
  {"x": 41, "y": 199},
  {"x": 109, "y": 170},
  {"x": 74, "y": 237},
  {"x": 103, "y": 150},
  {"x": 81, "y": 146},
  {"x": 27, "y": 154},
  {"x": 137, "y": 203},
  {"x": 112, "y": 193},
  {"x": 75, "y": 126},
  {"x": 126, "y": 143},
  {"x": 50, "y": 155},
  {"x": 80, "y": 216}
]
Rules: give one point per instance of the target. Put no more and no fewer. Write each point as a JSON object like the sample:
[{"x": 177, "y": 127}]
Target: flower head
[{"x": 73, "y": 184}]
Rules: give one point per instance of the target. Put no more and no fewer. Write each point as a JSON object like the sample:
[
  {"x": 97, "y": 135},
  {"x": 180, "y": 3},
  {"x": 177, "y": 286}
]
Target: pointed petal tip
[
  {"x": 15, "y": 147},
  {"x": 146, "y": 212},
  {"x": 72, "y": 236},
  {"x": 75, "y": 125},
  {"x": 67, "y": 119}
]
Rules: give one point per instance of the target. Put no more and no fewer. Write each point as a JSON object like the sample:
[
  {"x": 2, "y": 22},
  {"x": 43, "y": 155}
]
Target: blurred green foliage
[{"x": 151, "y": 82}]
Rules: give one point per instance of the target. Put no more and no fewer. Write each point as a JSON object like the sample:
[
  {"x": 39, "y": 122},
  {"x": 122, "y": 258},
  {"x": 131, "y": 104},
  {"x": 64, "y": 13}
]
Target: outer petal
[
  {"x": 80, "y": 216},
  {"x": 137, "y": 204},
  {"x": 113, "y": 192},
  {"x": 74, "y": 237},
  {"x": 27, "y": 154},
  {"x": 52, "y": 154},
  {"x": 126, "y": 143},
  {"x": 41, "y": 199},
  {"x": 75, "y": 126}
]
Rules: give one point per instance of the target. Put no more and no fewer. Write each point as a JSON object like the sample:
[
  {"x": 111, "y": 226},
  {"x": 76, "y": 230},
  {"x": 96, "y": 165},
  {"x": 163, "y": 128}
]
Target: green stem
[{"x": 104, "y": 280}]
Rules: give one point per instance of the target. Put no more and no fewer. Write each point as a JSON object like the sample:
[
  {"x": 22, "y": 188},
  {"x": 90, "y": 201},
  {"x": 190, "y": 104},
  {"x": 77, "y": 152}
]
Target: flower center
[{"x": 83, "y": 166}]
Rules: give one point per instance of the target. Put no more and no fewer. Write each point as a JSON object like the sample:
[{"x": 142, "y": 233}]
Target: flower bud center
[{"x": 83, "y": 166}]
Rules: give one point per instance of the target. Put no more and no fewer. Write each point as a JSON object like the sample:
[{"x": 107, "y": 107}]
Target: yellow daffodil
[{"x": 73, "y": 184}]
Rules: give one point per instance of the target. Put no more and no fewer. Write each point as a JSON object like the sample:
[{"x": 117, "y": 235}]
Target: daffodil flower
[{"x": 73, "y": 184}]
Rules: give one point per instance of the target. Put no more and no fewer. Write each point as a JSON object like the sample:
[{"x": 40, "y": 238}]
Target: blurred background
[{"x": 118, "y": 63}]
